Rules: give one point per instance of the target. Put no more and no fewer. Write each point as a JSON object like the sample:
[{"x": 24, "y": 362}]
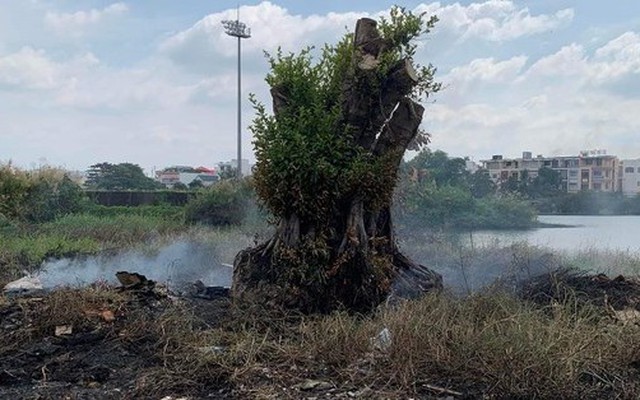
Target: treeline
[
  {"x": 438, "y": 191},
  {"x": 435, "y": 191},
  {"x": 548, "y": 196},
  {"x": 589, "y": 203},
  {"x": 47, "y": 193}
]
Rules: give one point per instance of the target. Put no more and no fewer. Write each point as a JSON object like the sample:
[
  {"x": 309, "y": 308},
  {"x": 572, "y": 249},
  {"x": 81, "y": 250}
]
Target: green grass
[
  {"x": 159, "y": 211},
  {"x": 26, "y": 247},
  {"x": 113, "y": 231}
]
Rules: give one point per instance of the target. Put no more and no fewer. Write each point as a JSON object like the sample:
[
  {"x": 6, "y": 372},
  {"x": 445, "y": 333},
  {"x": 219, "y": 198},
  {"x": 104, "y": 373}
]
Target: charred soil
[{"x": 566, "y": 336}]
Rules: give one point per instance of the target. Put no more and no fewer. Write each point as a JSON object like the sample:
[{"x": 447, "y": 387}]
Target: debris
[
  {"x": 382, "y": 341},
  {"x": 441, "y": 390},
  {"x": 212, "y": 349},
  {"x": 62, "y": 330},
  {"x": 597, "y": 290},
  {"x": 199, "y": 289},
  {"x": 628, "y": 316},
  {"x": 312, "y": 384},
  {"x": 108, "y": 316},
  {"x": 133, "y": 280},
  {"x": 24, "y": 284}
]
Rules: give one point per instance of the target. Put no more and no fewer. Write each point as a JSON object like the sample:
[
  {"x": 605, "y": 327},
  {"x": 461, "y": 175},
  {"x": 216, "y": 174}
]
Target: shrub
[
  {"x": 221, "y": 204},
  {"x": 39, "y": 195}
]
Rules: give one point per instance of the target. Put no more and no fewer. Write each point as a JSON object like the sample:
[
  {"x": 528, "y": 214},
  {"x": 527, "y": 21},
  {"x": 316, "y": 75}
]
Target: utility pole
[{"x": 241, "y": 31}]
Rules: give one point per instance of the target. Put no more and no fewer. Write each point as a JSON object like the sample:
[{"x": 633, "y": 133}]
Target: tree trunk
[{"x": 355, "y": 263}]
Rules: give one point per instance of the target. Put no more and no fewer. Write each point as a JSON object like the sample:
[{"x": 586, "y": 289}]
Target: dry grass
[{"x": 489, "y": 344}]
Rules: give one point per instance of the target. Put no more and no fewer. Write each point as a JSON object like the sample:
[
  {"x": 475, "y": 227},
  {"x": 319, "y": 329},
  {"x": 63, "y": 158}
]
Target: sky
[{"x": 153, "y": 82}]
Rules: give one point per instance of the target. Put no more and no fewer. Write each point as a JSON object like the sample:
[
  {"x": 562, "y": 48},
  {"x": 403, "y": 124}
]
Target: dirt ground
[
  {"x": 110, "y": 352},
  {"x": 141, "y": 342}
]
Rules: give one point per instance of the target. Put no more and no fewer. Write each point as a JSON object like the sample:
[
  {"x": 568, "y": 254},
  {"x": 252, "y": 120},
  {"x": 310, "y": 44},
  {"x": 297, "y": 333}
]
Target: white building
[
  {"x": 186, "y": 175},
  {"x": 630, "y": 173}
]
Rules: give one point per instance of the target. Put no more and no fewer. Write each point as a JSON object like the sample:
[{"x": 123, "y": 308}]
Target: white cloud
[
  {"x": 75, "y": 23},
  {"x": 616, "y": 59},
  {"x": 29, "y": 69},
  {"x": 205, "y": 45},
  {"x": 495, "y": 20},
  {"x": 569, "y": 60},
  {"x": 487, "y": 70},
  {"x": 33, "y": 70},
  {"x": 619, "y": 57}
]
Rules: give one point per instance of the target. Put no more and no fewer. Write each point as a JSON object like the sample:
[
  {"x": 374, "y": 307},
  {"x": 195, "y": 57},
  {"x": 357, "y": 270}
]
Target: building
[
  {"x": 187, "y": 176},
  {"x": 630, "y": 177},
  {"x": 590, "y": 170},
  {"x": 598, "y": 171},
  {"x": 501, "y": 169}
]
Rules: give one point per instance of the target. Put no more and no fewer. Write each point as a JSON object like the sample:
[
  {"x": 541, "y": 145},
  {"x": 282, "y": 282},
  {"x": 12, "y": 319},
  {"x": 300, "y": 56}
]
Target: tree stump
[{"x": 345, "y": 255}]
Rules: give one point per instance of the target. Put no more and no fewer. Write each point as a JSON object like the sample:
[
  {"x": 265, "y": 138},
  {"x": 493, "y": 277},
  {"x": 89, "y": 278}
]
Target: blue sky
[{"x": 153, "y": 81}]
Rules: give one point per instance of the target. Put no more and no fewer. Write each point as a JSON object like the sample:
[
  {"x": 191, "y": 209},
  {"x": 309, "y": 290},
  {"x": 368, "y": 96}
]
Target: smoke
[
  {"x": 177, "y": 265},
  {"x": 467, "y": 268}
]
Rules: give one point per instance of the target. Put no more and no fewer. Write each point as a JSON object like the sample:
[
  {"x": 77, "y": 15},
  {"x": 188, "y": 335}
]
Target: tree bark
[{"x": 362, "y": 263}]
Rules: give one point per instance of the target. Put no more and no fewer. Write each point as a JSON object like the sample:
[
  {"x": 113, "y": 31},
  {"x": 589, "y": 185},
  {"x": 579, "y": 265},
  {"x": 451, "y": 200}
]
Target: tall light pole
[{"x": 240, "y": 31}]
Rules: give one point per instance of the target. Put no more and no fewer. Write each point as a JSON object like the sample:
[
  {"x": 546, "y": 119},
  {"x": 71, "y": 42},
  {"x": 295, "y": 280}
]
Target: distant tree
[
  {"x": 440, "y": 168},
  {"x": 124, "y": 176},
  {"x": 511, "y": 185},
  {"x": 227, "y": 171},
  {"x": 480, "y": 184},
  {"x": 180, "y": 186},
  {"x": 548, "y": 183},
  {"x": 196, "y": 184}
]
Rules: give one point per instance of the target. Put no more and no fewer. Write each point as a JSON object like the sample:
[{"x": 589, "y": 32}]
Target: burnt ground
[
  {"x": 106, "y": 356},
  {"x": 143, "y": 343}
]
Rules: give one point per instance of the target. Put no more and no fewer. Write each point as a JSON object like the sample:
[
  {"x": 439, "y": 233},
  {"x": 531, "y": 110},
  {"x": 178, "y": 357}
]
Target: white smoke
[{"x": 176, "y": 265}]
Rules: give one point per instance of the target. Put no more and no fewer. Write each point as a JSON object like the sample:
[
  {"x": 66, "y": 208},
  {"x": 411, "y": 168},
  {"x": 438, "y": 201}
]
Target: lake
[{"x": 582, "y": 232}]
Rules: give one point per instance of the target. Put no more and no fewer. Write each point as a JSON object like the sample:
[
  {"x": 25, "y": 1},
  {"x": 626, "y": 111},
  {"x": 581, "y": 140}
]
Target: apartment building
[
  {"x": 598, "y": 171},
  {"x": 590, "y": 170},
  {"x": 630, "y": 177}
]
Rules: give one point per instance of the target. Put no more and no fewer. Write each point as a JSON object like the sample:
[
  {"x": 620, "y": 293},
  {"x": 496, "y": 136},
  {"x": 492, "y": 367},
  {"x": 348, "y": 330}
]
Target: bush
[
  {"x": 455, "y": 207},
  {"x": 224, "y": 203},
  {"x": 504, "y": 212},
  {"x": 39, "y": 195}
]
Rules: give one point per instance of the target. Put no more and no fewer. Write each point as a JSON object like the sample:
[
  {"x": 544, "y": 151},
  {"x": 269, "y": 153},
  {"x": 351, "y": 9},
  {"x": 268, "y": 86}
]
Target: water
[{"x": 618, "y": 233}]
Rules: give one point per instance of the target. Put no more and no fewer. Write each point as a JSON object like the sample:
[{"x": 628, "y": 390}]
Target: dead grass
[{"x": 489, "y": 344}]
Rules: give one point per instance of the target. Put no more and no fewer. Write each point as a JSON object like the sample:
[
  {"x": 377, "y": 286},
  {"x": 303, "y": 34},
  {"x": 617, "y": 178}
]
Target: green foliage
[
  {"x": 29, "y": 251},
  {"x": 480, "y": 184},
  {"x": 590, "y": 203},
  {"x": 195, "y": 184},
  {"x": 437, "y": 191},
  {"x": 163, "y": 211},
  {"x": 402, "y": 29},
  {"x": 503, "y": 212},
  {"x": 224, "y": 203},
  {"x": 124, "y": 176},
  {"x": 300, "y": 156},
  {"x": 180, "y": 186},
  {"x": 111, "y": 231},
  {"x": 39, "y": 195},
  {"x": 439, "y": 168},
  {"x": 547, "y": 183},
  {"x": 306, "y": 158}
]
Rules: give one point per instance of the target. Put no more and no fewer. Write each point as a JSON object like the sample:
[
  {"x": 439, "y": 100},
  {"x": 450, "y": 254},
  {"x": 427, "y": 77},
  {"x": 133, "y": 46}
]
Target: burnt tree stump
[{"x": 345, "y": 255}]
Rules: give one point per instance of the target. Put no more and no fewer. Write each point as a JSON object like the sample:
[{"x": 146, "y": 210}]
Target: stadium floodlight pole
[{"x": 241, "y": 31}]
